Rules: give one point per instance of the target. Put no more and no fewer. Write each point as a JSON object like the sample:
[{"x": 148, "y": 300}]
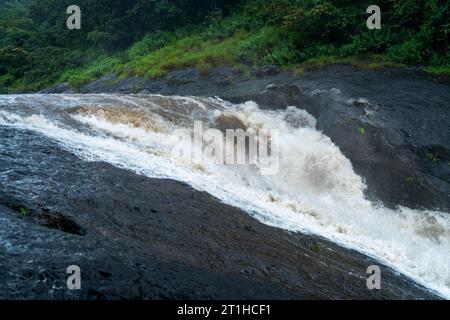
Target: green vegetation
[
  {"x": 20, "y": 209},
  {"x": 24, "y": 212},
  {"x": 432, "y": 156},
  {"x": 151, "y": 38},
  {"x": 187, "y": 52},
  {"x": 316, "y": 248},
  {"x": 444, "y": 70},
  {"x": 90, "y": 71},
  {"x": 409, "y": 179}
]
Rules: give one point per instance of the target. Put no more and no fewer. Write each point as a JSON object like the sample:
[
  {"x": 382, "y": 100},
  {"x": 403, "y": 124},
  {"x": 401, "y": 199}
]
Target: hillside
[{"x": 151, "y": 38}]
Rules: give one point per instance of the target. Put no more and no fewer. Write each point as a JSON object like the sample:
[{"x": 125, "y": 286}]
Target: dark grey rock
[
  {"x": 177, "y": 78},
  {"x": 60, "y": 88},
  {"x": 267, "y": 71}
]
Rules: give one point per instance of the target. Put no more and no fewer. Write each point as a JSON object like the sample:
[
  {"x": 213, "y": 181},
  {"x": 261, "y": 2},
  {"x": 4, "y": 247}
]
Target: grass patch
[
  {"x": 186, "y": 53},
  {"x": 442, "y": 70},
  {"x": 372, "y": 62},
  {"x": 92, "y": 71}
]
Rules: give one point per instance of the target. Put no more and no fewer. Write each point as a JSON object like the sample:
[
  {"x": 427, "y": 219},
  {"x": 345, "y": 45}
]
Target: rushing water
[{"x": 315, "y": 191}]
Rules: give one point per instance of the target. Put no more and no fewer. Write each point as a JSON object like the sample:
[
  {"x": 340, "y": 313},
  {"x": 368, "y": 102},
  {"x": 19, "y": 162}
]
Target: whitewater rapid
[{"x": 315, "y": 191}]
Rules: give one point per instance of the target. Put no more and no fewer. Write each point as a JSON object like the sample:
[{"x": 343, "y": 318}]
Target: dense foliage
[{"x": 151, "y": 37}]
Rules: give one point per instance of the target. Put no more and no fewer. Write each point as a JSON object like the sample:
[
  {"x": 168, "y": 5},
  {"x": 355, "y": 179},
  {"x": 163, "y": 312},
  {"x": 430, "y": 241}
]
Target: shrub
[
  {"x": 150, "y": 43},
  {"x": 271, "y": 45},
  {"x": 369, "y": 41},
  {"x": 408, "y": 52}
]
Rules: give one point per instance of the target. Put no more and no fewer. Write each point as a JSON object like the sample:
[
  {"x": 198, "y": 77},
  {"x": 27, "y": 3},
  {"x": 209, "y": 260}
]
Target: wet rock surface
[{"x": 140, "y": 238}]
